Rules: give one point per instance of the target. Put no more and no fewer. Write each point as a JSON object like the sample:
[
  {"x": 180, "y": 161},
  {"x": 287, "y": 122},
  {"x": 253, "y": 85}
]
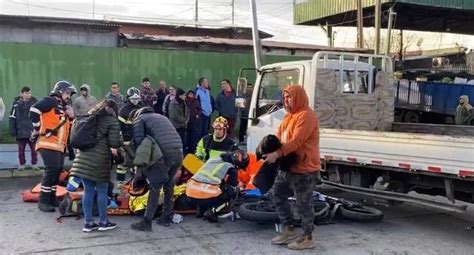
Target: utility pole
[
  {"x": 196, "y": 12},
  {"x": 378, "y": 21},
  {"x": 256, "y": 40},
  {"x": 401, "y": 46},
  {"x": 330, "y": 35},
  {"x": 233, "y": 12},
  {"x": 360, "y": 25},
  {"x": 391, "y": 16}
]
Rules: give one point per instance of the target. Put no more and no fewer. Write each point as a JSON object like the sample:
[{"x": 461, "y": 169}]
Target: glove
[{"x": 34, "y": 136}]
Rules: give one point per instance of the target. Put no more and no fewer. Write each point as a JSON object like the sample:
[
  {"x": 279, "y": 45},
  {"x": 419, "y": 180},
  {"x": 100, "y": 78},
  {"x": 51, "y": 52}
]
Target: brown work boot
[
  {"x": 303, "y": 243},
  {"x": 285, "y": 237}
]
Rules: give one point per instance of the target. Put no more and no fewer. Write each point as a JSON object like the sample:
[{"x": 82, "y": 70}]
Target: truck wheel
[
  {"x": 412, "y": 117},
  {"x": 361, "y": 213}
]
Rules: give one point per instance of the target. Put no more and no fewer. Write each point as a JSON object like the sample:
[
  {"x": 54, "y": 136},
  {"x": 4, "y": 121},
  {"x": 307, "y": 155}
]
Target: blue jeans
[{"x": 90, "y": 189}]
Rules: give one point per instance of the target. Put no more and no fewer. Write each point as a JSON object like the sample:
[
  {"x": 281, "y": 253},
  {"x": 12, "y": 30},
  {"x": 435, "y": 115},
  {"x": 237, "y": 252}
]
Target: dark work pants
[
  {"x": 302, "y": 187},
  {"x": 21, "y": 151},
  {"x": 202, "y": 125},
  {"x": 204, "y": 204},
  {"x": 182, "y": 135},
  {"x": 162, "y": 175},
  {"x": 53, "y": 164},
  {"x": 243, "y": 128},
  {"x": 191, "y": 139}
]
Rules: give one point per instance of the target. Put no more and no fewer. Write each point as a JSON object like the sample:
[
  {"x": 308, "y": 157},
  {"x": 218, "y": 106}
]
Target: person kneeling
[{"x": 209, "y": 188}]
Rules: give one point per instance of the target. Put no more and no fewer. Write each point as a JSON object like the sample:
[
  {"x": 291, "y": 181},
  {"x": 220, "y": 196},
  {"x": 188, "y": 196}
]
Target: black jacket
[
  {"x": 21, "y": 125},
  {"x": 160, "y": 128},
  {"x": 125, "y": 125},
  {"x": 161, "y": 95}
]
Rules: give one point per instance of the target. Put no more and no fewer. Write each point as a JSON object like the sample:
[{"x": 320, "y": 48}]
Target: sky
[{"x": 274, "y": 17}]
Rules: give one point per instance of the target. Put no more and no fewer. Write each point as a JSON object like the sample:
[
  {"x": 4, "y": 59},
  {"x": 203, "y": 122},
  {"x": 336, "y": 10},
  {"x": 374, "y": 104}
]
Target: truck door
[{"x": 266, "y": 110}]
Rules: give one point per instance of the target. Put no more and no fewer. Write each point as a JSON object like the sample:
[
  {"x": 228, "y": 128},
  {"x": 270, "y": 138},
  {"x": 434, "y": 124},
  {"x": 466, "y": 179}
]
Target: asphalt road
[{"x": 406, "y": 229}]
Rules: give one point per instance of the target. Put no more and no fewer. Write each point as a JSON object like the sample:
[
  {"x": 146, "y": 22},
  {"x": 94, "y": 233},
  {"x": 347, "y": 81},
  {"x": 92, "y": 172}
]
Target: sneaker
[
  {"x": 107, "y": 226},
  {"x": 21, "y": 167},
  {"x": 89, "y": 227},
  {"x": 35, "y": 167},
  {"x": 227, "y": 215},
  {"x": 142, "y": 225}
]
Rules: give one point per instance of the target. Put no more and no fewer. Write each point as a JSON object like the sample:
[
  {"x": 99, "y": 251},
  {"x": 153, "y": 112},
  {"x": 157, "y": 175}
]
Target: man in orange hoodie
[{"x": 299, "y": 133}]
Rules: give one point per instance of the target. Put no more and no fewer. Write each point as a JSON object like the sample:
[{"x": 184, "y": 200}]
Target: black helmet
[
  {"x": 63, "y": 86},
  {"x": 138, "y": 186},
  {"x": 133, "y": 93},
  {"x": 238, "y": 157}
]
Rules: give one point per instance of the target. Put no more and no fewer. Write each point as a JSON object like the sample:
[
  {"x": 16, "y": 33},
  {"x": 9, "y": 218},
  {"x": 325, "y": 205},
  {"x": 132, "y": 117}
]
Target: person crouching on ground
[
  {"x": 94, "y": 166},
  {"x": 148, "y": 123},
  {"x": 210, "y": 190}
]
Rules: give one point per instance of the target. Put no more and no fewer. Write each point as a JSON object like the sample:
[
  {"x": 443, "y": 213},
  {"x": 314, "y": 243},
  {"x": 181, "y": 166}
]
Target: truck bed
[
  {"x": 439, "y": 154},
  {"x": 433, "y": 129}
]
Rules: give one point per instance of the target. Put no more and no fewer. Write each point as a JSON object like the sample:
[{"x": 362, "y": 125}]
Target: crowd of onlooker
[{"x": 190, "y": 111}]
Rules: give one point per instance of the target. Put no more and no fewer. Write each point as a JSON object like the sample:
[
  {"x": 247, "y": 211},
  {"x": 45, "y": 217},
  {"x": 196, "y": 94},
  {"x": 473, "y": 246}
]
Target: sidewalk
[{"x": 9, "y": 162}]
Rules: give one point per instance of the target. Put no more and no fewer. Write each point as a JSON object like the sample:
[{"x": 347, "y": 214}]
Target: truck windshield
[{"x": 271, "y": 89}]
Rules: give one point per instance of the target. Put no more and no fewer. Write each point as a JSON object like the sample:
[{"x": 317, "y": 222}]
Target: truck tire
[
  {"x": 361, "y": 213},
  {"x": 412, "y": 117},
  {"x": 258, "y": 211}
]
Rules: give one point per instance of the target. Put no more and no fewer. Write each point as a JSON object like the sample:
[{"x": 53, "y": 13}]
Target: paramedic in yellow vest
[
  {"x": 52, "y": 117},
  {"x": 213, "y": 145},
  {"x": 215, "y": 183}
]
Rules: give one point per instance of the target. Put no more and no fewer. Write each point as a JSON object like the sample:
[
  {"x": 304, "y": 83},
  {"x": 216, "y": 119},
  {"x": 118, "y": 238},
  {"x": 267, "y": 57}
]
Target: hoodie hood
[
  {"x": 299, "y": 99},
  {"x": 87, "y": 87}
]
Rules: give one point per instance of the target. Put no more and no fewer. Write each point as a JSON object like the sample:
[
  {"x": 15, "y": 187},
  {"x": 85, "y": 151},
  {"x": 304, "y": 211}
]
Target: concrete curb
[
  {"x": 13, "y": 173},
  {"x": 6, "y": 174},
  {"x": 27, "y": 173}
]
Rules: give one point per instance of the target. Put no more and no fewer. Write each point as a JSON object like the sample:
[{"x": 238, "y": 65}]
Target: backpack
[
  {"x": 71, "y": 205},
  {"x": 84, "y": 133}
]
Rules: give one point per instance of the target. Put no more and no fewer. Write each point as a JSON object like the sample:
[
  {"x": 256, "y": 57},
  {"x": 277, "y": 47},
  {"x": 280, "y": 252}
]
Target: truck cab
[
  {"x": 353, "y": 75},
  {"x": 353, "y": 96}
]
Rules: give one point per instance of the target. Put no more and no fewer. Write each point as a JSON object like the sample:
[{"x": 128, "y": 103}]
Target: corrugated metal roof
[
  {"x": 235, "y": 42},
  {"x": 425, "y": 15},
  {"x": 52, "y": 20},
  {"x": 316, "y": 9}
]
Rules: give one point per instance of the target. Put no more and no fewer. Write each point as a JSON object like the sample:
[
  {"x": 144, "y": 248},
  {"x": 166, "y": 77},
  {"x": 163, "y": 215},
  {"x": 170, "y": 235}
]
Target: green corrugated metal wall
[
  {"x": 39, "y": 66},
  {"x": 317, "y": 9}
]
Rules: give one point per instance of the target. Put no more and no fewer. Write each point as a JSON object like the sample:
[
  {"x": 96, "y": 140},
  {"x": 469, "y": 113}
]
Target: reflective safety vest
[
  {"x": 205, "y": 183},
  {"x": 49, "y": 121},
  {"x": 212, "y": 172}
]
